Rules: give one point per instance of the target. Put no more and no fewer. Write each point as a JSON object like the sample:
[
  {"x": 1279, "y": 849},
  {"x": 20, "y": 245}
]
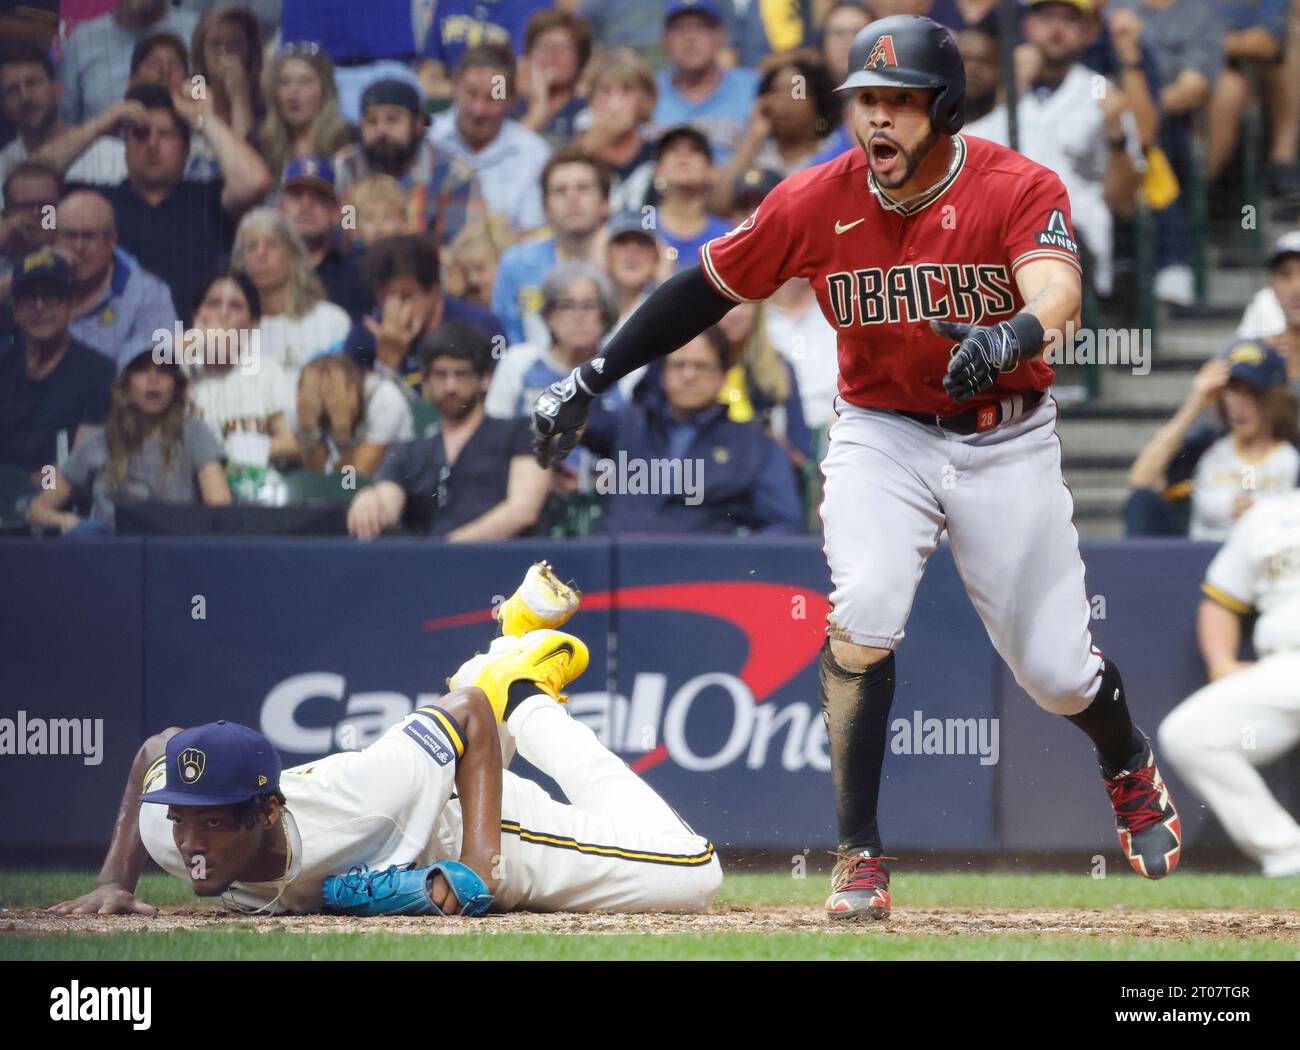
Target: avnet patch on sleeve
[{"x": 427, "y": 738}]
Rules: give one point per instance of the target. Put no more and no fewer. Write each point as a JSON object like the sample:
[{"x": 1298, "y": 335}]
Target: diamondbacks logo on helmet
[{"x": 882, "y": 55}]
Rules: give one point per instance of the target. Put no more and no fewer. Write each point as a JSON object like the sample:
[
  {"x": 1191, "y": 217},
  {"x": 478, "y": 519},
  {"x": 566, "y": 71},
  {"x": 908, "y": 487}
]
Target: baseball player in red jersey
[{"x": 945, "y": 264}]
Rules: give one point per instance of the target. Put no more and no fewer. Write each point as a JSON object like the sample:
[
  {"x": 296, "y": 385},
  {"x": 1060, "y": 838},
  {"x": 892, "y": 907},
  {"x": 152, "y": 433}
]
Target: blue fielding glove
[{"x": 404, "y": 891}]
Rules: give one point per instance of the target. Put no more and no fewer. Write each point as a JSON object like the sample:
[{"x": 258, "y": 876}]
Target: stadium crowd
[{"x": 243, "y": 244}]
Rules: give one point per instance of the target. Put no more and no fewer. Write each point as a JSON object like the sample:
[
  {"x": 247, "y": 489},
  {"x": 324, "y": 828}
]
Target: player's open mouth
[{"x": 883, "y": 154}]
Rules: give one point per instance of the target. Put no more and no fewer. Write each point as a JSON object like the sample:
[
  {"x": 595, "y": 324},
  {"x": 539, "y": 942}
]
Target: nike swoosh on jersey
[{"x": 840, "y": 228}]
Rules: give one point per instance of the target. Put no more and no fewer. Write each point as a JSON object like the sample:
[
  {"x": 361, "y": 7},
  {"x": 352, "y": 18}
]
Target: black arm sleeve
[{"x": 676, "y": 312}]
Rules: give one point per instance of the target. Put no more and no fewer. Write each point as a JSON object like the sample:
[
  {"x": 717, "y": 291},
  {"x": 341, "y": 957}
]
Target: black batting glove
[
  {"x": 981, "y": 354},
  {"x": 559, "y": 418}
]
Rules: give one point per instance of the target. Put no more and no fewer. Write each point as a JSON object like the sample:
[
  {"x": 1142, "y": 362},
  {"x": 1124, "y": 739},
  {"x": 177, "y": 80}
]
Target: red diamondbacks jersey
[{"x": 881, "y": 276}]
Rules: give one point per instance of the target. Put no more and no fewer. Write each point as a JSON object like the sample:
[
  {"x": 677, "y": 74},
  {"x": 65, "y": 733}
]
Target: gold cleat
[
  {"x": 549, "y": 659},
  {"x": 542, "y": 601}
]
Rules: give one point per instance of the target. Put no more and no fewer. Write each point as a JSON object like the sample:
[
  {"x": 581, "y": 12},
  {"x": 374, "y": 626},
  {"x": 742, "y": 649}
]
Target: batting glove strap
[{"x": 559, "y": 417}]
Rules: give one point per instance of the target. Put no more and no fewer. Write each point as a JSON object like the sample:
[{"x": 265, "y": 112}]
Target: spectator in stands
[
  {"x": 179, "y": 229},
  {"x": 621, "y": 99},
  {"x": 575, "y": 195},
  {"x": 29, "y": 99},
  {"x": 1187, "y": 39},
  {"x": 247, "y": 399},
  {"x": 1256, "y": 33},
  {"x": 298, "y": 322},
  {"x": 960, "y": 15},
  {"x": 267, "y": 12},
  {"x": 461, "y": 25},
  {"x": 475, "y": 479},
  {"x": 795, "y": 115},
  {"x": 160, "y": 58},
  {"x": 578, "y": 307},
  {"x": 95, "y": 69},
  {"x": 115, "y": 303},
  {"x": 557, "y": 46},
  {"x": 52, "y": 388},
  {"x": 1091, "y": 157},
  {"x": 697, "y": 89},
  {"x": 634, "y": 262},
  {"x": 31, "y": 194},
  {"x": 839, "y": 26},
  {"x": 347, "y": 417},
  {"x": 979, "y": 56},
  {"x": 724, "y": 476},
  {"x": 149, "y": 449},
  {"x": 1246, "y": 716},
  {"x": 799, "y": 330},
  {"x": 403, "y": 274},
  {"x": 506, "y": 156},
  {"x": 302, "y": 117},
  {"x": 1274, "y": 311},
  {"x": 1223, "y": 470},
  {"x": 760, "y": 384},
  {"x": 443, "y": 191},
  {"x": 1284, "y": 153},
  {"x": 378, "y": 208},
  {"x": 684, "y": 176},
  {"x": 310, "y": 205},
  {"x": 1118, "y": 52},
  {"x": 227, "y": 52},
  {"x": 473, "y": 257}
]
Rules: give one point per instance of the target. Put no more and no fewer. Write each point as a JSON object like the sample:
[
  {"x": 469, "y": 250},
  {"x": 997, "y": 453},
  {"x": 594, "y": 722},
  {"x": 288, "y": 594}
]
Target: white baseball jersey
[
  {"x": 1259, "y": 569},
  {"x": 1223, "y": 475},
  {"x": 618, "y": 847},
  {"x": 1217, "y": 737}
]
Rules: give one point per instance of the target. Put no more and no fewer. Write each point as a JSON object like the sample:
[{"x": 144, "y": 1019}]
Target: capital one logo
[{"x": 652, "y": 725}]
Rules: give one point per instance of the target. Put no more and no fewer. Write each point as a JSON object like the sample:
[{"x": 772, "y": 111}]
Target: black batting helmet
[{"x": 911, "y": 51}]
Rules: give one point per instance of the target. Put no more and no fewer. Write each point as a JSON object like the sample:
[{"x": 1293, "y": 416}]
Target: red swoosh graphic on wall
[{"x": 780, "y": 643}]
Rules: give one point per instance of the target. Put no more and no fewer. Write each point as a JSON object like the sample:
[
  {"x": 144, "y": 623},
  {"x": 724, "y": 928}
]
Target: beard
[
  {"x": 390, "y": 158},
  {"x": 909, "y": 159},
  {"x": 454, "y": 409}
]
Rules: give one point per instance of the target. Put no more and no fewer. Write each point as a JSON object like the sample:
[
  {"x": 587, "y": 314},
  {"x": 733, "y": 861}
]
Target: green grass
[
  {"x": 993, "y": 890},
  {"x": 870, "y": 943}
]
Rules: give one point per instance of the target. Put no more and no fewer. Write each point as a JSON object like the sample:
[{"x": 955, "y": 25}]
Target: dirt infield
[{"x": 1177, "y": 924}]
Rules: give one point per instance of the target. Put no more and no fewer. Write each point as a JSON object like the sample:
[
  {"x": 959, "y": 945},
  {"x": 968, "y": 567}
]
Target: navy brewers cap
[
  {"x": 1255, "y": 363},
  {"x": 42, "y": 267},
  {"x": 217, "y": 764},
  {"x": 684, "y": 133},
  {"x": 626, "y": 222},
  {"x": 755, "y": 182},
  {"x": 694, "y": 7},
  {"x": 1287, "y": 245},
  {"x": 312, "y": 171},
  {"x": 392, "y": 92}
]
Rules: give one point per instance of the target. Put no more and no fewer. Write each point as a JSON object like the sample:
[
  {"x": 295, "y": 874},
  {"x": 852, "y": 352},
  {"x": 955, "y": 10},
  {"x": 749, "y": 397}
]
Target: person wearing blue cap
[
  {"x": 697, "y": 89},
  {"x": 425, "y": 820},
  {"x": 1210, "y": 476}
]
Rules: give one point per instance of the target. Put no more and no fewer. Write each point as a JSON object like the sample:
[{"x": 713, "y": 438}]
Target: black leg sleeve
[
  {"x": 1108, "y": 724},
  {"x": 856, "y": 709},
  {"x": 676, "y": 312}
]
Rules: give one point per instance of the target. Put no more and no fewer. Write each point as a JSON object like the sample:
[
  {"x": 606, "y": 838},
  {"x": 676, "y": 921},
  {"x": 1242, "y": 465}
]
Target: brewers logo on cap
[
  {"x": 1249, "y": 353},
  {"x": 882, "y": 55},
  {"x": 191, "y": 761}
]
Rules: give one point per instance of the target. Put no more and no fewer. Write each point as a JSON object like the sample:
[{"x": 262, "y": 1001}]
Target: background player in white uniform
[
  {"x": 1249, "y": 714},
  {"x": 210, "y": 806}
]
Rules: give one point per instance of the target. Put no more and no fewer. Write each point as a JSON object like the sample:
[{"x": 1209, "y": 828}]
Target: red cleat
[
  {"x": 859, "y": 887},
  {"x": 1149, "y": 831}
]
